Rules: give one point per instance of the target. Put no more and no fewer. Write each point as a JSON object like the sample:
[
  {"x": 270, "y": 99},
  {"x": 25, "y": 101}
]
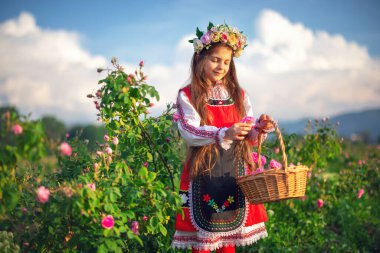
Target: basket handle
[{"x": 282, "y": 145}]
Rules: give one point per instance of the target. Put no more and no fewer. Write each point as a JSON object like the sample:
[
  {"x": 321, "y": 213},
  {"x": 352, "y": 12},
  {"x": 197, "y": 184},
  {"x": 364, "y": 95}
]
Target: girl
[{"x": 213, "y": 120}]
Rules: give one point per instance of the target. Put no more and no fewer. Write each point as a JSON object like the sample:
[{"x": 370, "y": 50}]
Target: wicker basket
[{"x": 274, "y": 184}]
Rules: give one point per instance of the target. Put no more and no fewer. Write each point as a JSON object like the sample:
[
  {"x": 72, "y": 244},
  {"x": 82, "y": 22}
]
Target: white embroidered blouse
[{"x": 196, "y": 135}]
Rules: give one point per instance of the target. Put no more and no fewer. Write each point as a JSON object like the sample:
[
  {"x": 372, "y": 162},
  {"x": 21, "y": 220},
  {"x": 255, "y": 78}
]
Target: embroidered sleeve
[{"x": 189, "y": 124}]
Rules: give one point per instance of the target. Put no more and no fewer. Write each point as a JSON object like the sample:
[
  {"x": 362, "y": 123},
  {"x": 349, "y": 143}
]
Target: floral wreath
[{"x": 224, "y": 33}]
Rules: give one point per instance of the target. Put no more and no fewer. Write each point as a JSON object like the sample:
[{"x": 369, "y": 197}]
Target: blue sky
[
  {"x": 119, "y": 27},
  {"x": 153, "y": 31}
]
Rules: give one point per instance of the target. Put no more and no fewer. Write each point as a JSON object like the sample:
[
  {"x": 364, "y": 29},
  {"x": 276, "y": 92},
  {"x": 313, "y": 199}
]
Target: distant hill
[{"x": 364, "y": 125}]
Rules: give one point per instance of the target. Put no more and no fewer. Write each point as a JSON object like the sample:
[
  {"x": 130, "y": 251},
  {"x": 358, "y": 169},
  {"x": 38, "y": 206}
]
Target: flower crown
[{"x": 229, "y": 35}]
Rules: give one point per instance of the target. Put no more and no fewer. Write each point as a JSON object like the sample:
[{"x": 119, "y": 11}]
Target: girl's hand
[
  {"x": 265, "y": 124},
  {"x": 238, "y": 131}
]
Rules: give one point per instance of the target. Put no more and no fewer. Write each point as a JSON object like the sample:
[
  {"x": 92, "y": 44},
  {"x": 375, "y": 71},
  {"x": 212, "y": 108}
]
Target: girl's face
[{"x": 217, "y": 64}]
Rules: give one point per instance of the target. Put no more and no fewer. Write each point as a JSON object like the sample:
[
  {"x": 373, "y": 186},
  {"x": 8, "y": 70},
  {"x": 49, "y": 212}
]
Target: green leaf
[
  {"x": 154, "y": 222},
  {"x": 151, "y": 176},
  {"x": 143, "y": 172},
  {"x": 111, "y": 244},
  {"x": 199, "y": 33},
  {"x": 149, "y": 156},
  {"x": 102, "y": 249},
  {"x": 210, "y": 25},
  {"x": 130, "y": 214},
  {"x": 162, "y": 229}
]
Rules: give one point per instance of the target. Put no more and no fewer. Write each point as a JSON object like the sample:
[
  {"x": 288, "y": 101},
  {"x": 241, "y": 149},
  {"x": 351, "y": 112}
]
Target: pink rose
[
  {"x": 43, "y": 194},
  {"x": 106, "y": 137},
  {"x": 248, "y": 119},
  {"x": 276, "y": 150},
  {"x": 319, "y": 203},
  {"x": 108, "y": 222},
  {"x": 67, "y": 135},
  {"x": 65, "y": 149},
  {"x": 360, "y": 193},
  {"x": 224, "y": 37},
  {"x": 17, "y": 129},
  {"x": 146, "y": 164},
  {"x": 92, "y": 186},
  {"x": 115, "y": 140},
  {"x": 145, "y": 218},
  {"x": 176, "y": 117},
  {"x": 109, "y": 150},
  {"x": 99, "y": 153},
  {"x": 258, "y": 170},
  {"x": 275, "y": 164},
  {"x": 96, "y": 166},
  {"x": 135, "y": 227},
  {"x": 255, "y": 158},
  {"x": 303, "y": 198},
  {"x": 141, "y": 64},
  {"x": 109, "y": 159}
]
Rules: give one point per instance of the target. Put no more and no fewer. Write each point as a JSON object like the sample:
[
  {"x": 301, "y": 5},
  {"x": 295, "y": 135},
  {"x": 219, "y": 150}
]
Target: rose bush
[{"x": 123, "y": 196}]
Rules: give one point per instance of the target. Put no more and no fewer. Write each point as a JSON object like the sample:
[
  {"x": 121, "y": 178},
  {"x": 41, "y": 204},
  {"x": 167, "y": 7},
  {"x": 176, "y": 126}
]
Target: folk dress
[{"x": 216, "y": 213}]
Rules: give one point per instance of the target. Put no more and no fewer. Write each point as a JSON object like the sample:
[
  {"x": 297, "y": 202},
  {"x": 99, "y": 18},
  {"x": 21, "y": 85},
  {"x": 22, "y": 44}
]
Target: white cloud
[
  {"x": 46, "y": 71},
  {"x": 289, "y": 71}
]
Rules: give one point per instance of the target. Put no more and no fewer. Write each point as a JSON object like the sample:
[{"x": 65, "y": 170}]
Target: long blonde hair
[{"x": 202, "y": 159}]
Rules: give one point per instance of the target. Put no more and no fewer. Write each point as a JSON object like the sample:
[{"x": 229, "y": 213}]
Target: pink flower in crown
[
  {"x": 43, "y": 194},
  {"x": 360, "y": 193},
  {"x": 115, "y": 140},
  {"x": 238, "y": 44},
  {"x": 108, "y": 222},
  {"x": 319, "y": 203},
  {"x": 224, "y": 37},
  {"x": 273, "y": 164},
  {"x": 106, "y": 137},
  {"x": 176, "y": 117},
  {"x": 17, "y": 129},
  {"x": 206, "y": 38},
  {"x": 135, "y": 227},
  {"x": 65, "y": 149}
]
